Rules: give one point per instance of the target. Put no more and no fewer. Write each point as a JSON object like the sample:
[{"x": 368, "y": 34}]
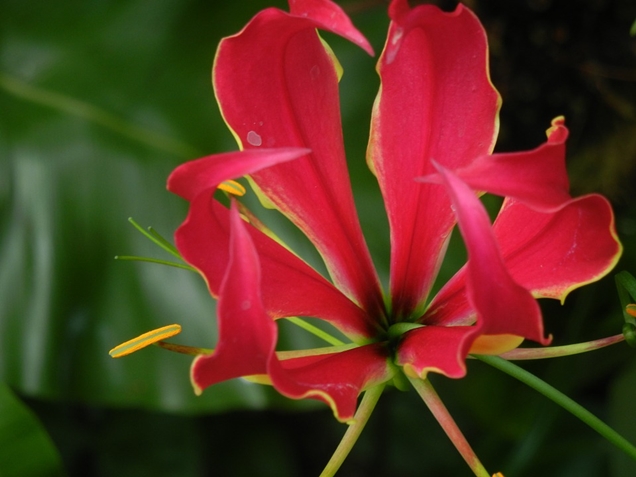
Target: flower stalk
[
  {"x": 430, "y": 397},
  {"x": 562, "y": 400},
  {"x": 367, "y": 405}
]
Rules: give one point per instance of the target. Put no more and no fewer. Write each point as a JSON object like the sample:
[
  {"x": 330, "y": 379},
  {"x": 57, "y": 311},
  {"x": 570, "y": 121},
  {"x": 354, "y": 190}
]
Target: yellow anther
[
  {"x": 498, "y": 474},
  {"x": 144, "y": 340},
  {"x": 631, "y": 310},
  {"x": 232, "y": 187}
]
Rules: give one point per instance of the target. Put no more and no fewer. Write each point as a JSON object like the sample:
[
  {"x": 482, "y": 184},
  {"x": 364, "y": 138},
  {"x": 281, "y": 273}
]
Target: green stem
[
  {"x": 430, "y": 397},
  {"x": 562, "y": 400},
  {"x": 369, "y": 400}
]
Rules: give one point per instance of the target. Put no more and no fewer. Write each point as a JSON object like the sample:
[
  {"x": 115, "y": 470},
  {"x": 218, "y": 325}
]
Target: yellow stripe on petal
[
  {"x": 232, "y": 187},
  {"x": 259, "y": 379},
  {"x": 144, "y": 340},
  {"x": 631, "y": 310},
  {"x": 495, "y": 344}
]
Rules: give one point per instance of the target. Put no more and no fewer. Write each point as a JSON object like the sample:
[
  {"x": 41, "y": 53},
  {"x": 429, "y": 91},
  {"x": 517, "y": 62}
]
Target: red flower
[{"x": 435, "y": 120}]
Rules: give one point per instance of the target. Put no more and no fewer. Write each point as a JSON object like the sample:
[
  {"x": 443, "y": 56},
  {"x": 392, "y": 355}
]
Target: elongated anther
[
  {"x": 144, "y": 340},
  {"x": 631, "y": 309},
  {"x": 232, "y": 187}
]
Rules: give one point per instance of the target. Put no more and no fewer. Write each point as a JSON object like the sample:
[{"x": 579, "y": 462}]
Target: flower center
[{"x": 395, "y": 332}]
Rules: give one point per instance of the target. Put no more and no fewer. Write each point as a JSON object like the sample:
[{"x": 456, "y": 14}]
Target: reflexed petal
[
  {"x": 551, "y": 254},
  {"x": 502, "y": 305},
  {"x": 329, "y": 16},
  {"x": 190, "y": 179},
  {"x": 439, "y": 349},
  {"x": 537, "y": 178},
  {"x": 277, "y": 86},
  {"x": 247, "y": 342},
  {"x": 436, "y": 102},
  {"x": 290, "y": 287},
  {"x": 495, "y": 344},
  {"x": 335, "y": 378},
  {"x": 247, "y": 336}
]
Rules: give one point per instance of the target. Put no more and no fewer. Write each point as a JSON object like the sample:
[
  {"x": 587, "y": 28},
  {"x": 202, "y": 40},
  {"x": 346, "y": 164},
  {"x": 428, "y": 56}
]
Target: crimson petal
[
  {"x": 247, "y": 342},
  {"x": 190, "y": 179},
  {"x": 439, "y": 349},
  {"x": 277, "y": 86},
  {"x": 502, "y": 306},
  {"x": 436, "y": 102},
  {"x": 290, "y": 287},
  {"x": 247, "y": 335},
  {"x": 549, "y": 254},
  {"x": 331, "y": 17},
  {"x": 537, "y": 178},
  {"x": 335, "y": 378}
]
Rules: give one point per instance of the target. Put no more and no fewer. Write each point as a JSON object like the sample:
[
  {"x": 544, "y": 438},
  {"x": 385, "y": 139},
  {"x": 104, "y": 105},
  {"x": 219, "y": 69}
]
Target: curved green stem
[
  {"x": 430, "y": 397},
  {"x": 562, "y": 400},
  {"x": 369, "y": 400}
]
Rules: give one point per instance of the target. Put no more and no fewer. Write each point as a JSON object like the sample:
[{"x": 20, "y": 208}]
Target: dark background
[{"x": 100, "y": 100}]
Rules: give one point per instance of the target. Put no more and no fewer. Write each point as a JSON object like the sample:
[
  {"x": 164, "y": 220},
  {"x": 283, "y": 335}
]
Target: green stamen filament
[
  {"x": 314, "y": 330},
  {"x": 157, "y": 239},
  {"x": 155, "y": 260}
]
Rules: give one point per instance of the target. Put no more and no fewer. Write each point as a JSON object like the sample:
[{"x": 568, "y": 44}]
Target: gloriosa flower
[{"x": 433, "y": 129}]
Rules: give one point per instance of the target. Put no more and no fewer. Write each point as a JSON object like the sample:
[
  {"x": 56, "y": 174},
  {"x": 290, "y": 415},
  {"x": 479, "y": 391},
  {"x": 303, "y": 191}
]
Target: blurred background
[{"x": 100, "y": 100}]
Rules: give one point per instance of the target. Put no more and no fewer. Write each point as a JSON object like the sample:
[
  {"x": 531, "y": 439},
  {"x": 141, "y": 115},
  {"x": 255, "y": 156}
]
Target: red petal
[
  {"x": 247, "y": 336},
  {"x": 502, "y": 305},
  {"x": 436, "y": 102},
  {"x": 335, "y": 378},
  {"x": 549, "y": 254},
  {"x": 277, "y": 87},
  {"x": 247, "y": 342},
  {"x": 537, "y": 178},
  {"x": 436, "y": 348},
  {"x": 290, "y": 287},
  {"x": 331, "y": 17},
  {"x": 190, "y": 179}
]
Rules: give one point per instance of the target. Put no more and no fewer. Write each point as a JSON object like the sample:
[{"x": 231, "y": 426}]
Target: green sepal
[
  {"x": 629, "y": 332},
  {"x": 626, "y": 286}
]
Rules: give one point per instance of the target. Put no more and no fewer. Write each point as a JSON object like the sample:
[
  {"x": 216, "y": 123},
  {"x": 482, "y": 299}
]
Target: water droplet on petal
[
  {"x": 394, "y": 45},
  {"x": 254, "y": 139},
  {"x": 397, "y": 35}
]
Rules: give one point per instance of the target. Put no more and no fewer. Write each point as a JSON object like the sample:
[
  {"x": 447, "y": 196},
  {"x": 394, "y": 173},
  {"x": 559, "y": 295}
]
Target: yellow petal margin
[{"x": 144, "y": 340}]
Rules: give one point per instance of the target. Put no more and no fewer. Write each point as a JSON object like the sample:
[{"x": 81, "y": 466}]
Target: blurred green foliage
[{"x": 99, "y": 101}]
